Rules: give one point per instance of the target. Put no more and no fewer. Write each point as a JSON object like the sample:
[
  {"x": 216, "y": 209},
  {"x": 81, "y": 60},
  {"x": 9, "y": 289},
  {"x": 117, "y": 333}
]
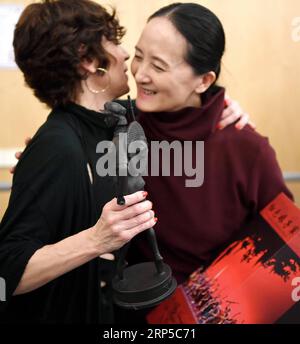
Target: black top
[{"x": 53, "y": 198}]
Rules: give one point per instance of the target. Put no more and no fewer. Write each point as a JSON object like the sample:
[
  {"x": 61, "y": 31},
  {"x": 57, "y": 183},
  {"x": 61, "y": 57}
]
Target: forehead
[{"x": 161, "y": 38}]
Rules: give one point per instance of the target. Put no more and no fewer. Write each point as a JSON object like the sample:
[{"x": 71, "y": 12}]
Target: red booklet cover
[{"x": 253, "y": 281}]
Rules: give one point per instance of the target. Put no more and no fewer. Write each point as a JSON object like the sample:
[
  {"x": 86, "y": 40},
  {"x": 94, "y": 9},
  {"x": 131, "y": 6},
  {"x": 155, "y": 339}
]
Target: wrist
[
  {"x": 97, "y": 247},
  {"x": 93, "y": 241}
]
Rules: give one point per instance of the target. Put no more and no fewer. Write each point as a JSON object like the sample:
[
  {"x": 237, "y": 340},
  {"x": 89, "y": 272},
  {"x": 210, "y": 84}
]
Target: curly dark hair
[{"x": 52, "y": 37}]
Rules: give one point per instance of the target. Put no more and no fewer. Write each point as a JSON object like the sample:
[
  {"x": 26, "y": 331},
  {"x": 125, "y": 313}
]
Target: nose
[
  {"x": 125, "y": 53},
  {"x": 141, "y": 74}
]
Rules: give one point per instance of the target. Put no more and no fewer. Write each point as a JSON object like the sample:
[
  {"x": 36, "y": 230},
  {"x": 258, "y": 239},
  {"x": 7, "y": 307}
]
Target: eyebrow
[{"x": 154, "y": 58}]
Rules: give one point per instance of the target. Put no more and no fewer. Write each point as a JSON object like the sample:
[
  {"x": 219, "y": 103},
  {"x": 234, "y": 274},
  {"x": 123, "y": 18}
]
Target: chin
[
  {"x": 146, "y": 106},
  {"x": 122, "y": 92}
]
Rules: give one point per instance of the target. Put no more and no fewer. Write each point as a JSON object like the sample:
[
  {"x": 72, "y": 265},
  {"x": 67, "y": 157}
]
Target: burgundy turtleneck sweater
[{"x": 241, "y": 175}]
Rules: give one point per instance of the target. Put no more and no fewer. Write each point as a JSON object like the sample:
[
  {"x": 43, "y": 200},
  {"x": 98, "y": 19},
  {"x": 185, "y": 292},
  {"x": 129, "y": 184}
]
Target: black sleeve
[
  {"x": 23, "y": 232},
  {"x": 44, "y": 191}
]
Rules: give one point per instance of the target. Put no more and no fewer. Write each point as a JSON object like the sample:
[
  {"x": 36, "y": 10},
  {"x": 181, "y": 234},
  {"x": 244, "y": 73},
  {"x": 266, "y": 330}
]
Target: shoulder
[
  {"x": 55, "y": 146},
  {"x": 245, "y": 151},
  {"x": 56, "y": 137},
  {"x": 246, "y": 140}
]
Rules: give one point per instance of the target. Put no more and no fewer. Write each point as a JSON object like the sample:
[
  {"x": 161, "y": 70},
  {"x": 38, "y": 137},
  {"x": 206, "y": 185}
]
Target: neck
[{"x": 195, "y": 101}]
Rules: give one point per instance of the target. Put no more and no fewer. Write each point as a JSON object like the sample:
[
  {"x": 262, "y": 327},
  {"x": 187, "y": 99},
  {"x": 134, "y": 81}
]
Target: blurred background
[{"x": 261, "y": 70}]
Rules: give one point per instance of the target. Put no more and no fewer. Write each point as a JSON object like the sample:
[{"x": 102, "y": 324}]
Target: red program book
[{"x": 251, "y": 282}]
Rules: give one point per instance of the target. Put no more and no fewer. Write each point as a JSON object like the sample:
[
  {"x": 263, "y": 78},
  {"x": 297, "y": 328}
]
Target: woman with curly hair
[{"x": 52, "y": 234}]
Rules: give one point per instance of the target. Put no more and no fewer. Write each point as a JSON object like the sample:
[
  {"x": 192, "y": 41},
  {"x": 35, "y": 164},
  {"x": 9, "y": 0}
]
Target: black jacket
[{"x": 53, "y": 198}]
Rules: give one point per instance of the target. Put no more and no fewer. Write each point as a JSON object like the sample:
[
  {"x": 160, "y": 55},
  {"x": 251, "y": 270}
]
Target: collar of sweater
[{"x": 188, "y": 124}]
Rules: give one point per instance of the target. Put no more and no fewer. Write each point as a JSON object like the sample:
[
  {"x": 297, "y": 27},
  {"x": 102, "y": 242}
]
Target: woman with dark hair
[
  {"x": 51, "y": 235},
  {"x": 176, "y": 66}
]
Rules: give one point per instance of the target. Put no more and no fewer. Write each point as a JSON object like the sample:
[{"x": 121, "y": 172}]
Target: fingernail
[
  {"x": 219, "y": 126},
  {"x": 145, "y": 194},
  {"x": 155, "y": 219},
  {"x": 238, "y": 126}
]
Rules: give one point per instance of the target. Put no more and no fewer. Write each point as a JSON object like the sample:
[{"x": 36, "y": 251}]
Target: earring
[{"x": 92, "y": 90}]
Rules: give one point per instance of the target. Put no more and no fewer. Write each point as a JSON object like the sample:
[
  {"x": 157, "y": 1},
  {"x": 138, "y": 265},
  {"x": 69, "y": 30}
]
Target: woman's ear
[
  {"x": 205, "y": 81},
  {"x": 89, "y": 65}
]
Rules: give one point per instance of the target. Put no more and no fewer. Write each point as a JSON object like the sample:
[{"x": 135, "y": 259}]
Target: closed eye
[
  {"x": 158, "y": 68},
  {"x": 137, "y": 57}
]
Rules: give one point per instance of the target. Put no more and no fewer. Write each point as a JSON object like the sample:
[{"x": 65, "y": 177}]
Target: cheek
[
  {"x": 133, "y": 68},
  {"x": 168, "y": 85},
  {"x": 181, "y": 83}
]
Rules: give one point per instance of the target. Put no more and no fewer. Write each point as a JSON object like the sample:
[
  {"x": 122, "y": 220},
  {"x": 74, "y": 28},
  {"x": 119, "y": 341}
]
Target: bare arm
[
  {"x": 116, "y": 226},
  {"x": 52, "y": 261}
]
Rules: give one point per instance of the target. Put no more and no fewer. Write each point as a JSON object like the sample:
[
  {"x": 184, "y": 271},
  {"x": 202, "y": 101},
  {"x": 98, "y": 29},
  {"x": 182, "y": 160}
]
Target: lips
[
  {"x": 149, "y": 93},
  {"x": 146, "y": 92}
]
